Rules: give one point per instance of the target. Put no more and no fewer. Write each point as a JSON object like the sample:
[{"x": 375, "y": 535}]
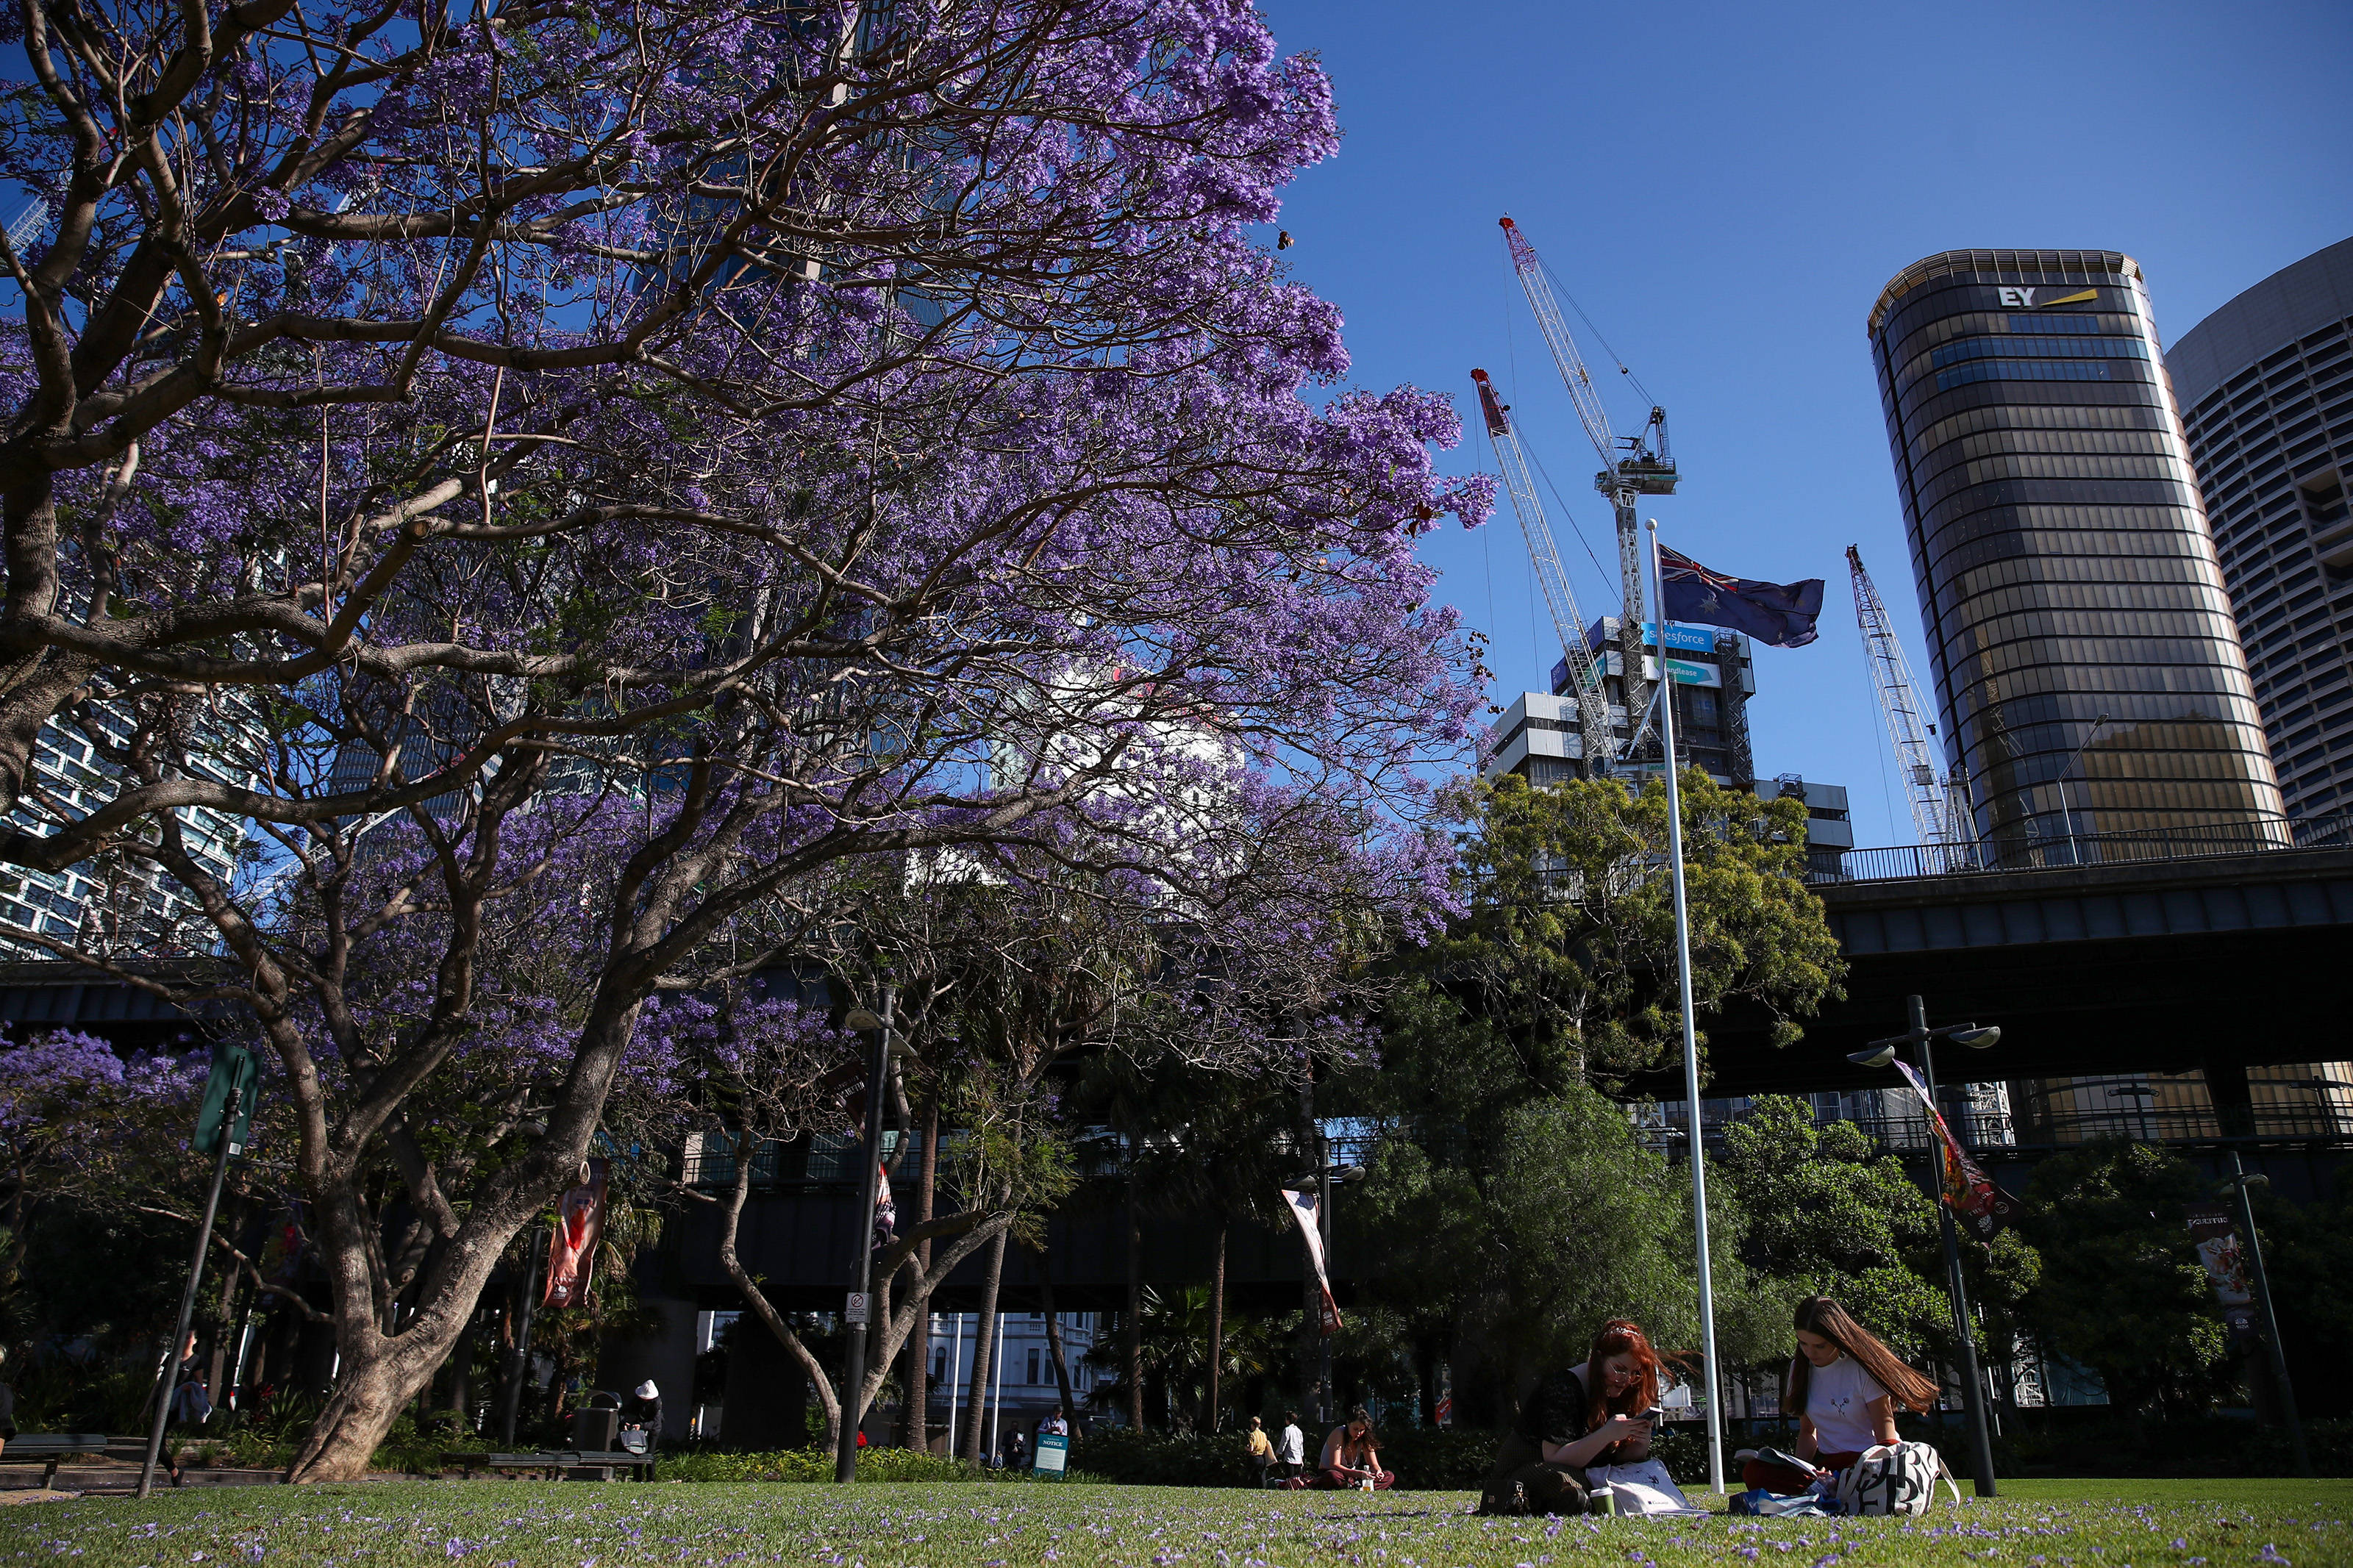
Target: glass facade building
[
  {"x": 2086, "y": 663},
  {"x": 2267, "y": 391}
]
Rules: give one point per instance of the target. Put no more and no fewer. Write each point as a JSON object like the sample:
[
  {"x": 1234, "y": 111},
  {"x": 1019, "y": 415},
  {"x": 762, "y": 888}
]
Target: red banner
[
  {"x": 1983, "y": 1209},
  {"x": 572, "y": 1255}
]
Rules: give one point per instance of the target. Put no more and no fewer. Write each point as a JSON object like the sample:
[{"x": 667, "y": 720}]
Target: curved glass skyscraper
[{"x": 2087, "y": 668}]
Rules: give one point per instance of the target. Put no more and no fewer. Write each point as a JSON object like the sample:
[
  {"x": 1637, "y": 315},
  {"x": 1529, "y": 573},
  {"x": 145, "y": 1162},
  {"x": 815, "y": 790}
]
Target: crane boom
[
  {"x": 1598, "y": 742},
  {"x": 1630, "y": 467},
  {"x": 1942, "y": 820}
]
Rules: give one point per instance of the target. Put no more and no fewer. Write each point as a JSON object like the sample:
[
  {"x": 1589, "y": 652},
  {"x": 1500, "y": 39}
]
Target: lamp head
[
  {"x": 862, "y": 1019},
  {"x": 1877, "y": 1057},
  {"x": 1349, "y": 1173},
  {"x": 1977, "y": 1039}
]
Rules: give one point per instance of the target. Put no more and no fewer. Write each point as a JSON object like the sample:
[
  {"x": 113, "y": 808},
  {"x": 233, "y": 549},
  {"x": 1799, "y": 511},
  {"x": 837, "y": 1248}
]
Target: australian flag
[{"x": 1781, "y": 613}]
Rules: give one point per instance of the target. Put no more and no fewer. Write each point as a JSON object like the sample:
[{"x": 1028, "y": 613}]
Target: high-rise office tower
[
  {"x": 2086, "y": 664},
  {"x": 2267, "y": 391},
  {"x": 111, "y": 903}
]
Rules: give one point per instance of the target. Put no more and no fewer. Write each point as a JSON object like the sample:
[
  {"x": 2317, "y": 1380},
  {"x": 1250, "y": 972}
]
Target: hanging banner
[
  {"x": 2215, "y": 1232},
  {"x": 579, "y": 1222},
  {"x": 1984, "y": 1210},
  {"x": 1303, "y": 1209},
  {"x": 886, "y": 1212}
]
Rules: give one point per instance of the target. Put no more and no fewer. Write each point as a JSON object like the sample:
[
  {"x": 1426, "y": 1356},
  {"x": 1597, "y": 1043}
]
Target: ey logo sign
[{"x": 2024, "y": 299}]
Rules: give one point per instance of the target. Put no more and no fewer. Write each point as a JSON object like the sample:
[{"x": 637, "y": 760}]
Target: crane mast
[
  {"x": 1631, "y": 467},
  {"x": 1941, "y": 817},
  {"x": 1598, "y": 742}
]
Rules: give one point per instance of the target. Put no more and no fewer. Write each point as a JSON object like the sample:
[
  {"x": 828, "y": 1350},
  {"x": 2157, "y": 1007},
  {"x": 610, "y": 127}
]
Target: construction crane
[
  {"x": 1940, "y": 812},
  {"x": 1631, "y": 466},
  {"x": 1597, "y": 744}
]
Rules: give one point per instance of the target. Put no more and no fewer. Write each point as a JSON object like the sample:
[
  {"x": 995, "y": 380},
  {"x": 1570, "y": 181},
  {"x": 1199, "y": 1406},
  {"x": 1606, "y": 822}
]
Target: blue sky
[{"x": 1725, "y": 189}]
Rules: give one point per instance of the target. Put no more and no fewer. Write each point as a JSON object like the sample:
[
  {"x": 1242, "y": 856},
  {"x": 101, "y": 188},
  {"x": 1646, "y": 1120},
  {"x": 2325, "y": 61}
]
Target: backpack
[{"x": 1895, "y": 1479}]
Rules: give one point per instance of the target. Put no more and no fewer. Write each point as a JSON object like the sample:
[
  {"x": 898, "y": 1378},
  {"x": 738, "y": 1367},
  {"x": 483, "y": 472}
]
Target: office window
[{"x": 1033, "y": 1377}]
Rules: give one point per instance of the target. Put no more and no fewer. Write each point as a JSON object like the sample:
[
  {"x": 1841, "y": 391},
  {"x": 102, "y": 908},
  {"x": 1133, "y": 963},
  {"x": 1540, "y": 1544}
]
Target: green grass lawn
[{"x": 521, "y": 1524}]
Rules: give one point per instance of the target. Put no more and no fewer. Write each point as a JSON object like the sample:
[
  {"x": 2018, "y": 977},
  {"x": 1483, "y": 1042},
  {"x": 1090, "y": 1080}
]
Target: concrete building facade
[{"x": 2267, "y": 391}]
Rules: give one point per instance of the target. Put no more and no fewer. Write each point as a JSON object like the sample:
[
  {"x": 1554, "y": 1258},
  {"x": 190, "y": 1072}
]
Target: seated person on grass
[
  {"x": 1352, "y": 1457},
  {"x": 1844, "y": 1385},
  {"x": 1580, "y": 1417}
]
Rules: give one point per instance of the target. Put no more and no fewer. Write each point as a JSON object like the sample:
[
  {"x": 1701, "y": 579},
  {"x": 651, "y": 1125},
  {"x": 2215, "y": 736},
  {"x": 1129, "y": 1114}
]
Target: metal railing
[
  {"x": 1993, "y": 1132},
  {"x": 2143, "y": 846}
]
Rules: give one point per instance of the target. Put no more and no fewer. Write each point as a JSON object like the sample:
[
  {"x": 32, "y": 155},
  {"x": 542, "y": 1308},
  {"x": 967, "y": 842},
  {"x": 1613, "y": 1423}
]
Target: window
[
  {"x": 1033, "y": 1377},
  {"x": 940, "y": 1366}
]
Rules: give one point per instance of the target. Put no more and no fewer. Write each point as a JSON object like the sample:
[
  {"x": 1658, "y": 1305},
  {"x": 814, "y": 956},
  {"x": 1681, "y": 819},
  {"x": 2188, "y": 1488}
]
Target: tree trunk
[
  {"x": 755, "y": 1301},
  {"x": 1217, "y": 1327},
  {"x": 983, "y": 1350},
  {"x": 1134, "y": 1370},
  {"x": 1054, "y": 1339}
]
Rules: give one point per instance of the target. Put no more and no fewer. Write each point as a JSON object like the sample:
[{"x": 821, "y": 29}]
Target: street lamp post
[
  {"x": 1879, "y": 1054},
  {"x": 2238, "y": 1182},
  {"x": 861, "y": 1303}
]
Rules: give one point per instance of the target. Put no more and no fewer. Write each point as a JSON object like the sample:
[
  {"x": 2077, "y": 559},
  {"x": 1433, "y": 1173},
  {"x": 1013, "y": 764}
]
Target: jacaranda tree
[{"x": 592, "y": 468}]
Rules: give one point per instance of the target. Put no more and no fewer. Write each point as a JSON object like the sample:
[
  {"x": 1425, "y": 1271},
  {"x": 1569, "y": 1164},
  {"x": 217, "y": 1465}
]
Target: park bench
[
  {"x": 554, "y": 1462},
  {"x": 51, "y": 1449}
]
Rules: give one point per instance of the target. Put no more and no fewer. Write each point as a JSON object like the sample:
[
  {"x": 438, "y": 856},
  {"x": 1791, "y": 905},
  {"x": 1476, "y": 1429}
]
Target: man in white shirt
[{"x": 1291, "y": 1448}]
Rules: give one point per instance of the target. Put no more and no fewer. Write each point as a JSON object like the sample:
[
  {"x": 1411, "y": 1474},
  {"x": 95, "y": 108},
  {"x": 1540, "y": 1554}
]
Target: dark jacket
[{"x": 645, "y": 1412}]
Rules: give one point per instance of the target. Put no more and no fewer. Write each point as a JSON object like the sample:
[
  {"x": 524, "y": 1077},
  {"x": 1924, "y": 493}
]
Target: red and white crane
[
  {"x": 1939, "y": 811},
  {"x": 1598, "y": 741},
  {"x": 1631, "y": 466}
]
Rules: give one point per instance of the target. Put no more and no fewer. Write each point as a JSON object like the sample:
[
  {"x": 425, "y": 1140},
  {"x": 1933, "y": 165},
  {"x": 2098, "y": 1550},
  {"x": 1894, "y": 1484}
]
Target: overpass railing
[
  {"x": 1991, "y": 1133},
  {"x": 2148, "y": 844}
]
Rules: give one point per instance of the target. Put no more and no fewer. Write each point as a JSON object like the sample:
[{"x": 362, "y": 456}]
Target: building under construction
[{"x": 1542, "y": 736}]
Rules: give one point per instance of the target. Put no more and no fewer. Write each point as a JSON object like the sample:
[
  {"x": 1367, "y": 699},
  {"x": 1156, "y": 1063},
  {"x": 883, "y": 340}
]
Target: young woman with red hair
[
  {"x": 1580, "y": 1417},
  {"x": 1844, "y": 1386}
]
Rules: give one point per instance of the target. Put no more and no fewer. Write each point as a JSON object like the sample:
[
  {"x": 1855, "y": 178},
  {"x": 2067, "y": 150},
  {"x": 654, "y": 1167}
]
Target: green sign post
[
  {"x": 235, "y": 1070},
  {"x": 1053, "y": 1455},
  {"x": 229, "y": 1095}
]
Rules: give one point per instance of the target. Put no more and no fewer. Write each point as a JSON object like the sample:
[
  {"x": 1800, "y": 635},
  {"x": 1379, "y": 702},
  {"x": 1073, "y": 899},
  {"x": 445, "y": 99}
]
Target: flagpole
[{"x": 1691, "y": 1036}]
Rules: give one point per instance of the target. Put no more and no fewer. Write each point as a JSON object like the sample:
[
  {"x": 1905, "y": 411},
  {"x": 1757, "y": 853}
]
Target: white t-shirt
[
  {"x": 1292, "y": 1448},
  {"x": 1837, "y": 1397}
]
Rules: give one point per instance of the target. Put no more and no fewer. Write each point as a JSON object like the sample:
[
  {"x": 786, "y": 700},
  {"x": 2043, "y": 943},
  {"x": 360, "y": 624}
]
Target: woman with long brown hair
[{"x": 1844, "y": 1385}]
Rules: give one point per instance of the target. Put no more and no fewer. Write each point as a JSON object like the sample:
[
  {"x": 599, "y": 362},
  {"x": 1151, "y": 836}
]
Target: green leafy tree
[
  {"x": 1567, "y": 947},
  {"x": 1829, "y": 1214},
  {"x": 2121, "y": 1289},
  {"x": 1513, "y": 1204},
  {"x": 1561, "y": 1218}
]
